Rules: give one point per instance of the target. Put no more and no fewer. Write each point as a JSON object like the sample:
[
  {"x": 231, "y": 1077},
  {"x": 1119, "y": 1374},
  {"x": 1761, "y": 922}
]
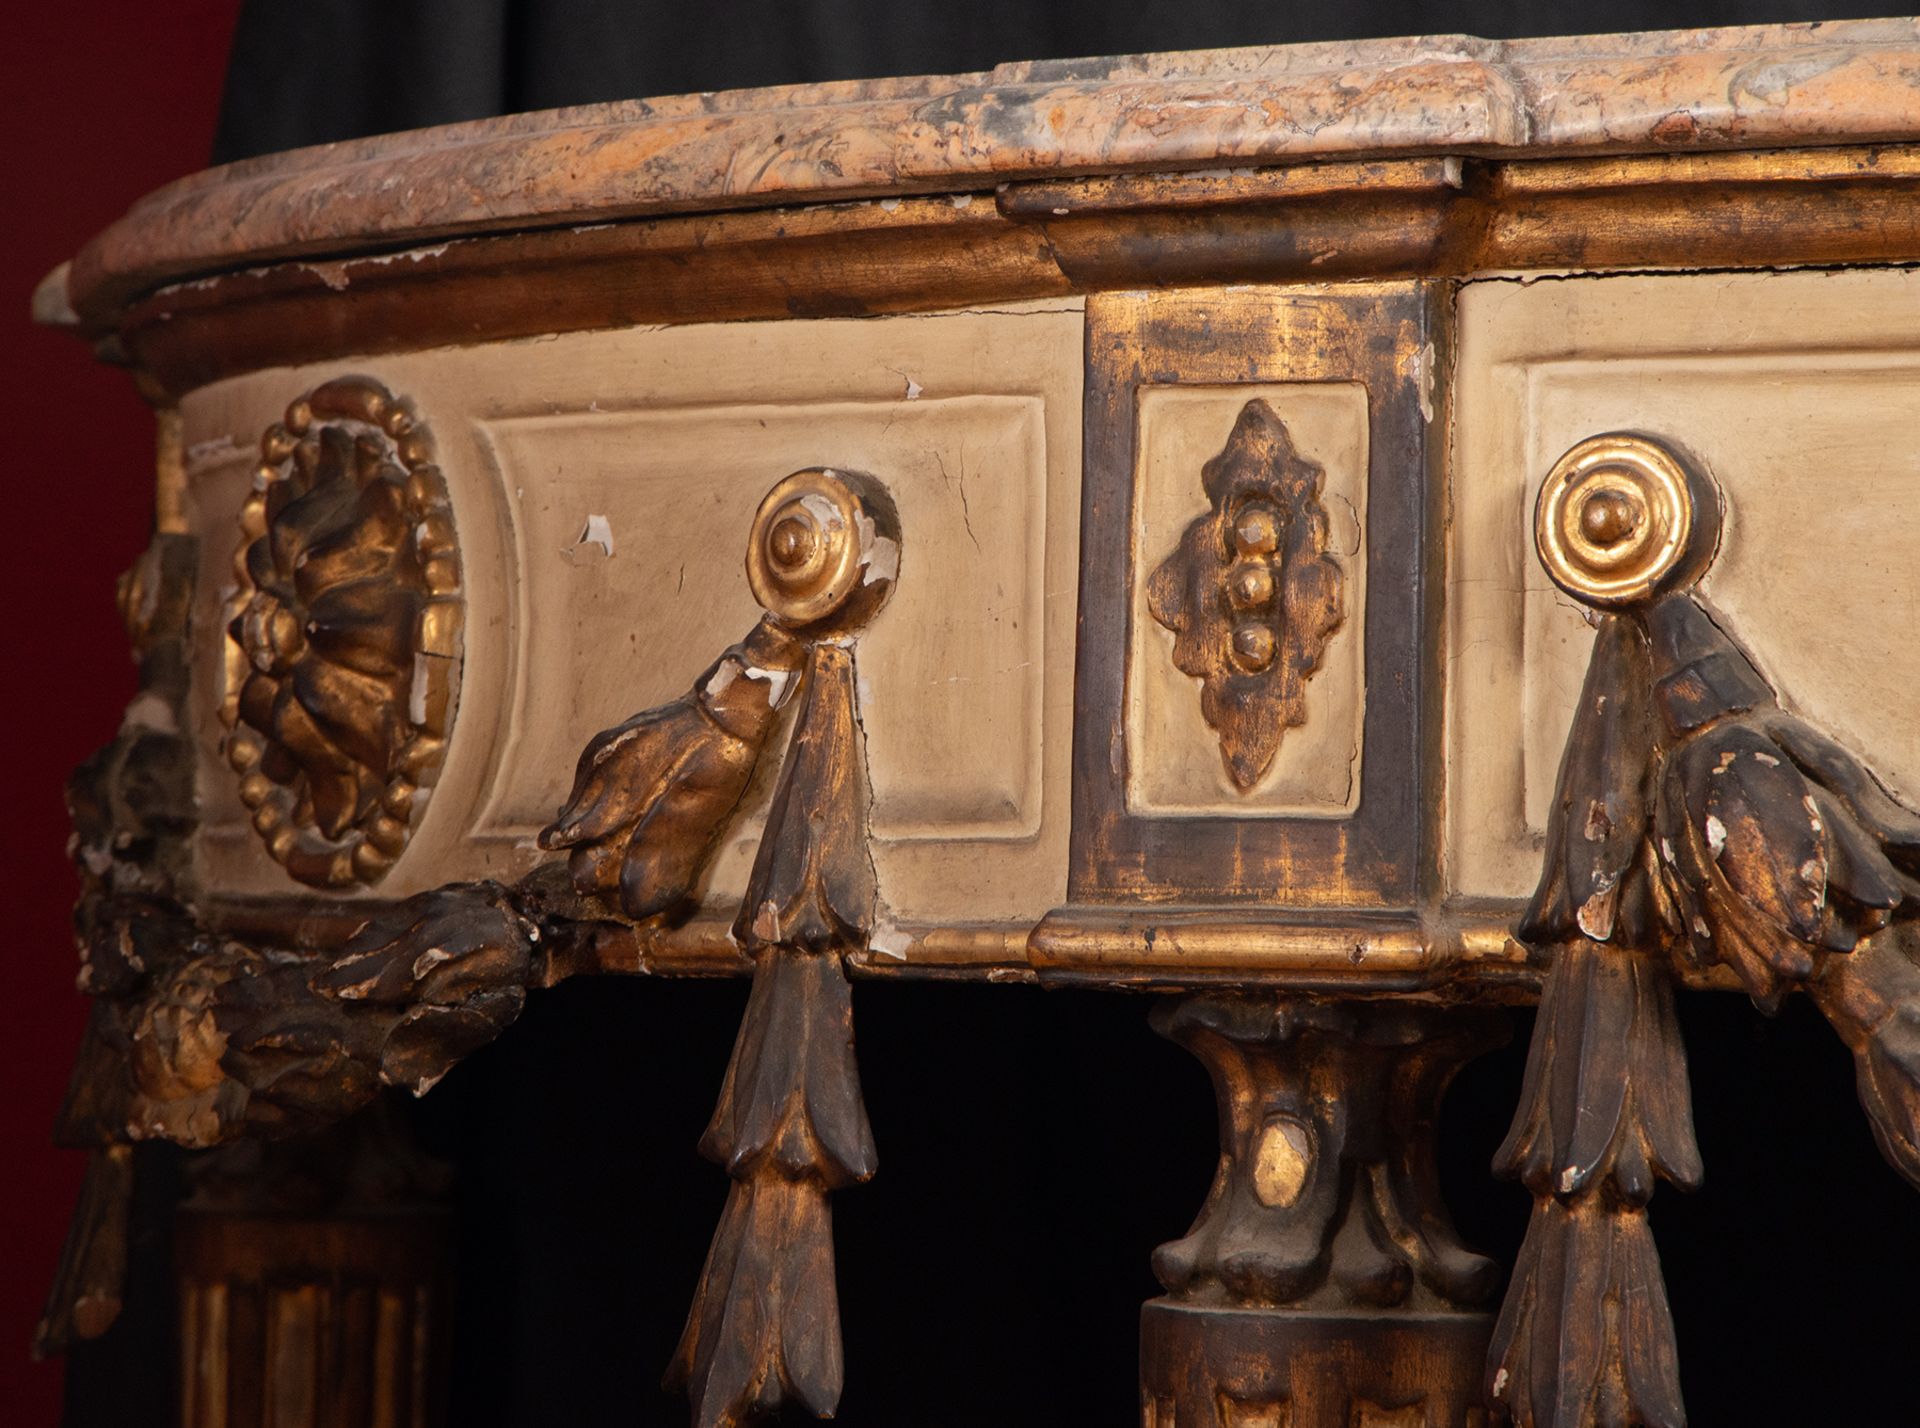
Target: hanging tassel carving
[
  {"x": 1696, "y": 820},
  {"x": 1585, "y": 1336},
  {"x": 790, "y": 1127},
  {"x": 1585, "y": 1339}
]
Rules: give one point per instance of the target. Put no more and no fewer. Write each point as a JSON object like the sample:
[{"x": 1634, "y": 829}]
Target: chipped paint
[
  {"x": 890, "y": 942},
  {"x": 201, "y": 452},
  {"x": 417, "y": 690},
  {"x": 1716, "y": 832},
  {"x": 151, "y": 712},
  {"x": 883, "y": 560},
  {"x": 776, "y": 680},
  {"x": 597, "y": 530}
]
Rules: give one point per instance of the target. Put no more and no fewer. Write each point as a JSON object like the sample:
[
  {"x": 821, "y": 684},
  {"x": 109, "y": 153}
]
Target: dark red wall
[{"x": 103, "y": 100}]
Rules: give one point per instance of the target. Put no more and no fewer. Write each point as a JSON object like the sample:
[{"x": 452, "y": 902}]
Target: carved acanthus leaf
[
  {"x": 764, "y": 1330},
  {"x": 651, "y": 795},
  {"x": 1593, "y": 880},
  {"x": 449, "y": 967},
  {"x": 1778, "y": 846},
  {"x": 1605, "y": 1113},
  {"x": 90, "y": 1282},
  {"x": 1585, "y": 1336},
  {"x": 1872, "y": 998},
  {"x": 1251, "y": 593},
  {"x": 791, "y": 1097},
  {"x": 1605, "y": 1103},
  {"x": 236, "y": 1040},
  {"x": 789, "y": 1127},
  {"x": 812, "y": 885}
]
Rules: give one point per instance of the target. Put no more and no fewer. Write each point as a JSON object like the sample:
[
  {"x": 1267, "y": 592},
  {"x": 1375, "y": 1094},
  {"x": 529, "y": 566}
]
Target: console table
[{"x": 1347, "y": 538}]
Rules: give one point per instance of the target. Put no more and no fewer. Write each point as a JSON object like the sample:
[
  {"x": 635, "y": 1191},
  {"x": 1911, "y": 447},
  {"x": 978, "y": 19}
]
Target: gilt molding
[{"x": 1313, "y": 105}]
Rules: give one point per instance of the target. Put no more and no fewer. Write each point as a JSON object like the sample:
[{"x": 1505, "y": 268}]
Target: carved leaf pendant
[
  {"x": 789, "y": 1126},
  {"x": 764, "y": 1329},
  {"x": 1585, "y": 1339},
  {"x": 651, "y": 795},
  {"x": 812, "y": 885}
]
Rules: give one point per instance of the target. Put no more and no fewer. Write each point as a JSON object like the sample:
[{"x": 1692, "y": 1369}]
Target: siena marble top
[{"x": 1846, "y": 82}]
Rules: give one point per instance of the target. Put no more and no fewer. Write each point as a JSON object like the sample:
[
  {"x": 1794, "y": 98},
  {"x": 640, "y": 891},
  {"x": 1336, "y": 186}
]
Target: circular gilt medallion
[
  {"x": 1622, "y": 518},
  {"x": 343, "y": 636}
]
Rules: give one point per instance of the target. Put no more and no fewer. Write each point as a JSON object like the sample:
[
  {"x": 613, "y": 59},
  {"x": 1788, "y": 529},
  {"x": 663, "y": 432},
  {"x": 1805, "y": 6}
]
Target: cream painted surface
[
  {"x": 672, "y": 436},
  {"x": 1174, "y": 763},
  {"x": 1801, "y": 394}
]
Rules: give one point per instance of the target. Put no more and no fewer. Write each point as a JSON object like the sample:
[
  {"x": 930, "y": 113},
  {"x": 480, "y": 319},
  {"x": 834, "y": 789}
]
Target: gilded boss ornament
[
  {"x": 825, "y": 546},
  {"x": 343, "y": 637},
  {"x": 1621, "y": 518}
]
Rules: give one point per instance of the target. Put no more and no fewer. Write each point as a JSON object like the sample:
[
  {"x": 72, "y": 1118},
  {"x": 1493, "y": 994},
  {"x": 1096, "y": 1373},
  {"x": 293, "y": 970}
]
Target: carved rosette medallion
[
  {"x": 343, "y": 635},
  {"x": 1251, "y": 594}
]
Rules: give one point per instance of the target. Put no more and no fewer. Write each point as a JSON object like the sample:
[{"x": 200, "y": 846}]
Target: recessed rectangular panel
[
  {"x": 947, "y": 718},
  {"x": 1253, "y": 606},
  {"x": 1800, "y": 393},
  {"x": 1175, "y": 764},
  {"x": 603, "y": 485}
]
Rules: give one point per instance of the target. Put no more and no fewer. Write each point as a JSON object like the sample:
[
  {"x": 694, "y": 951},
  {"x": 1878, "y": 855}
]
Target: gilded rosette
[{"x": 343, "y": 634}]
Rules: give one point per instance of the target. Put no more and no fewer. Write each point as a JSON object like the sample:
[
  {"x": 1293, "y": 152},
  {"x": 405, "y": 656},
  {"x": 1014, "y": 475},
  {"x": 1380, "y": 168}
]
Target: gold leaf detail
[
  {"x": 1251, "y": 594},
  {"x": 343, "y": 634}
]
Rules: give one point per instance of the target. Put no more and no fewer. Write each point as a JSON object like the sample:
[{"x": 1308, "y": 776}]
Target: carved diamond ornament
[
  {"x": 343, "y": 634},
  {"x": 1251, "y": 594}
]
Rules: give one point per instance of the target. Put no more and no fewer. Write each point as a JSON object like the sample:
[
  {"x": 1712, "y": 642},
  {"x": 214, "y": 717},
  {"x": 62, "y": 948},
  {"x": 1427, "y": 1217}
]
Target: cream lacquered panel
[
  {"x": 1800, "y": 392},
  {"x": 671, "y": 436}
]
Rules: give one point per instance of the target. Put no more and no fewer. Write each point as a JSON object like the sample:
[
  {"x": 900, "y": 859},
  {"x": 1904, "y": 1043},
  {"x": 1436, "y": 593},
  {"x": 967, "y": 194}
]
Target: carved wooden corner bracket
[
  {"x": 1694, "y": 819},
  {"x": 199, "y": 1038}
]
